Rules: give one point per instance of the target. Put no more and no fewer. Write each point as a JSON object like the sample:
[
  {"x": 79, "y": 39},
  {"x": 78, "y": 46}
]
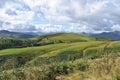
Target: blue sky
[{"x": 60, "y": 15}]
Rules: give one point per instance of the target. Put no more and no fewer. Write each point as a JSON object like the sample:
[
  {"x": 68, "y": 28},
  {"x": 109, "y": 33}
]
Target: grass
[
  {"x": 49, "y": 48},
  {"x": 91, "y": 60},
  {"x": 68, "y": 36},
  {"x": 106, "y": 68},
  {"x": 76, "y": 47}
]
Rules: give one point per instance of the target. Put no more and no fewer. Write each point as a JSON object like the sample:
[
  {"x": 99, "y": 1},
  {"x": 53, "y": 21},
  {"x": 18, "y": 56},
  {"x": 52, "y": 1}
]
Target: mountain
[
  {"x": 9, "y": 34},
  {"x": 115, "y": 35},
  {"x": 31, "y": 33}
]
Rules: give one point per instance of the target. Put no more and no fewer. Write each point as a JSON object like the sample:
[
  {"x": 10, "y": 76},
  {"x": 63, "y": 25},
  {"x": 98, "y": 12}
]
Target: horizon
[{"x": 53, "y": 16}]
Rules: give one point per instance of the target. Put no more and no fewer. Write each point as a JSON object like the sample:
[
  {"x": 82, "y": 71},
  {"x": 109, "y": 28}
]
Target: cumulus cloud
[
  {"x": 48, "y": 28},
  {"x": 48, "y": 15},
  {"x": 116, "y": 27},
  {"x": 18, "y": 27},
  {"x": 96, "y": 15}
]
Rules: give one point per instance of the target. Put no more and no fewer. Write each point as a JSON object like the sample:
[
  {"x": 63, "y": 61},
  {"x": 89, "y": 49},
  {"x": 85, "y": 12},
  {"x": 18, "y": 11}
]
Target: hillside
[
  {"x": 63, "y": 56},
  {"x": 71, "y": 37},
  {"x": 7, "y": 34},
  {"x": 59, "y": 61},
  {"x": 47, "y": 39}
]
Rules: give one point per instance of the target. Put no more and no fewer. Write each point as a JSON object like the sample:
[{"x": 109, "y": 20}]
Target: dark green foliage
[
  {"x": 118, "y": 77},
  {"x": 64, "y": 68},
  {"x": 82, "y": 66},
  {"x": 12, "y": 43},
  {"x": 15, "y": 61}
]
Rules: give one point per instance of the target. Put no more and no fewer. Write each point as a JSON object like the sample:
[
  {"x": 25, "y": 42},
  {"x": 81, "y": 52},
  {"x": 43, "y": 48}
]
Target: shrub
[
  {"x": 82, "y": 66},
  {"x": 118, "y": 77},
  {"x": 64, "y": 68}
]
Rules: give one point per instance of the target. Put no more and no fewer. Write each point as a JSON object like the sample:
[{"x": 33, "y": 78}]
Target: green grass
[
  {"x": 76, "y": 47},
  {"x": 70, "y": 37},
  {"x": 48, "y": 48},
  {"x": 60, "y": 60}
]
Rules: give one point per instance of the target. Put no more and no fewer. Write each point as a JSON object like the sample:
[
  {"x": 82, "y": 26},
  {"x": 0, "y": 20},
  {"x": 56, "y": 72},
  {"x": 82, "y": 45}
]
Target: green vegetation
[
  {"x": 47, "y": 39},
  {"x": 65, "y": 58}
]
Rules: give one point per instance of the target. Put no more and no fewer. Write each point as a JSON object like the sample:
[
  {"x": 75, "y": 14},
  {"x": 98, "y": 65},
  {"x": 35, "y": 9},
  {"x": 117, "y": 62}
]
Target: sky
[{"x": 91, "y": 16}]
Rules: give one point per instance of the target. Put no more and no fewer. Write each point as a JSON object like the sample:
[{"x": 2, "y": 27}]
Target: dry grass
[{"x": 106, "y": 68}]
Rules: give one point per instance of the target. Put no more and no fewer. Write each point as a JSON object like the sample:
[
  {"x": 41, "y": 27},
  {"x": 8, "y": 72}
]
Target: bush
[
  {"x": 118, "y": 77},
  {"x": 64, "y": 68},
  {"x": 82, "y": 66}
]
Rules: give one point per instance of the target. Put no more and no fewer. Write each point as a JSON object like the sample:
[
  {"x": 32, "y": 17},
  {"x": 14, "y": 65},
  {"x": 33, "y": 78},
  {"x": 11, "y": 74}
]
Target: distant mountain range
[
  {"x": 115, "y": 35},
  {"x": 9, "y": 34}
]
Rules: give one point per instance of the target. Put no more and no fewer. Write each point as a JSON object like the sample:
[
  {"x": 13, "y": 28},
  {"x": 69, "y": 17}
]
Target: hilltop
[{"x": 71, "y": 37}]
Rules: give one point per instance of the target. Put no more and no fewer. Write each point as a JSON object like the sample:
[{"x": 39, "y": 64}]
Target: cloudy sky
[{"x": 60, "y": 15}]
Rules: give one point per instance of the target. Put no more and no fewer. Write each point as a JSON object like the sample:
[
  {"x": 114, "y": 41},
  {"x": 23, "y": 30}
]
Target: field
[{"x": 74, "y": 59}]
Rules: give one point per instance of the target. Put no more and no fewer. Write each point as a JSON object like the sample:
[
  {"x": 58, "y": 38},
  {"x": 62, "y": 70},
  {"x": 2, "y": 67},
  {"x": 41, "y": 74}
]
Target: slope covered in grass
[
  {"x": 63, "y": 62},
  {"x": 47, "y": 39},
  {"x": 64, "y": 56},
  {"x": 49, "y": 48},
  {"x": 70, "y": 37}
]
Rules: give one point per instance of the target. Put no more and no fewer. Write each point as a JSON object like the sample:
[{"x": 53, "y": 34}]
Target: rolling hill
[
  {"x": 8, "y": 34},
  {"x": 47, "y": 39},
  {"x": 71, "y": 37},
  {"x": 62, "y": 56}
]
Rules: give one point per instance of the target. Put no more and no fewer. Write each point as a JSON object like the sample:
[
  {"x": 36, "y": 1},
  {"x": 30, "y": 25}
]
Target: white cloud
[
  {"x": 86, "y": 13},
  {"x": 48, "y": 28},
  {"x": 18, "y": 16},
  {"x": 81, "y": 15},
  {"x": 116, "y": 27}
]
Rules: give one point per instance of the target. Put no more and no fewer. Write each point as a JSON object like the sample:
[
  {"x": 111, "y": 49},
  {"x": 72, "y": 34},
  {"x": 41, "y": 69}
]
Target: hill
[
  {"x": 59, "y": 61},
  {"x": 62, "y": 56},
  {"x": 71, "y": 37},
  {"x": 47, "y": 39},
  {"x": 7, "y": 34}
]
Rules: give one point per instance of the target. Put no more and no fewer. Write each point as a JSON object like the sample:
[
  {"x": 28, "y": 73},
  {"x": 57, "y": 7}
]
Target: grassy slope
[
  {"x": 64, "y": 37},
  {"x": 47, "y": 39},
  {"x": 49, "y": 48},
  {"x": 49, "y": 54},
  {"x": 69, "y": 37}
]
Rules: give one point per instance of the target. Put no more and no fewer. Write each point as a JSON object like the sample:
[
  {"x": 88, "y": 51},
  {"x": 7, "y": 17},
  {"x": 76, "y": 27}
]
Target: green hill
[
  {"x": 63, "y": 56},
  {"x": 70, "y": 37},
  {"x": 47, "y": 39}
]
